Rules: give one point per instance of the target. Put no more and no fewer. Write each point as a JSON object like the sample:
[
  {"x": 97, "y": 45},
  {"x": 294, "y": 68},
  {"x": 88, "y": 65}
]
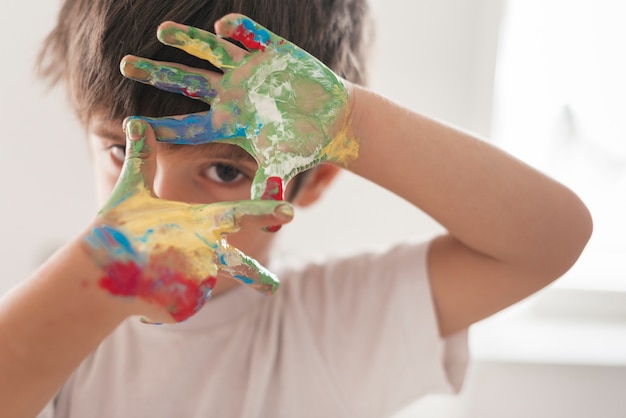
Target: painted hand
[
  {"x": 279, "y": 103},
  {"x": 171, "y": 253}
]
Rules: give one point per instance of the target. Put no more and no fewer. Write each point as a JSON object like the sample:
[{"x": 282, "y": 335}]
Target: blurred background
[{"x": 542, "y": 79}]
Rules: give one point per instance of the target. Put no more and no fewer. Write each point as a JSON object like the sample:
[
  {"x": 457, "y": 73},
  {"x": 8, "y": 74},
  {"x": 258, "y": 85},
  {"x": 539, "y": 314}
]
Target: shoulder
[
  {"x": 342, "y": 287},
  {"x": 403, "y": 261}
]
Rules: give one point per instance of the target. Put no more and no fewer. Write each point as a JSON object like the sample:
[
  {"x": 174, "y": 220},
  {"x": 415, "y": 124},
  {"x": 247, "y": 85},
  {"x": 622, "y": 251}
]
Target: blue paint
[
  {"x": 193, "y": 130},
  {"x": 193, "y": 85},
  {"x": 243, "y": 279},
  {"x": 206, "y": 295},
  {"x": 171, "y": 226},
  {"x": 113, "y": 241},
  {"x": 261, "y": 35},
  {"x": 120, "y": 239},
  {"x": 145, "y": 237}
]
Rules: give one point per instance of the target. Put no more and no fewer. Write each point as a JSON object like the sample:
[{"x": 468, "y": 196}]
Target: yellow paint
[
  {"x": 344, "y": 147},
  {"x": 200, "y": 49}
]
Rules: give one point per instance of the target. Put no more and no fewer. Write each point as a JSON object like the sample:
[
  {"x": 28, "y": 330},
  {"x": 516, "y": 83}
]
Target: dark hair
[{"x": 91, "y": 36}]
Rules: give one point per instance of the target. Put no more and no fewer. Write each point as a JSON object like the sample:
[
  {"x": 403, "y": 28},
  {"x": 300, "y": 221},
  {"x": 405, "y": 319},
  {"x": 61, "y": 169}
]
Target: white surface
[
  {"x": 562, "y": 66},
  {"x": 46, "y": 183},
  {"x": 556, "y": 326}
]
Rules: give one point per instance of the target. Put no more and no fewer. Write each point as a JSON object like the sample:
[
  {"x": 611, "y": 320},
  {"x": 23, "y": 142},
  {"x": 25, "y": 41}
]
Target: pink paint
[{"x": 180, "y": 295}]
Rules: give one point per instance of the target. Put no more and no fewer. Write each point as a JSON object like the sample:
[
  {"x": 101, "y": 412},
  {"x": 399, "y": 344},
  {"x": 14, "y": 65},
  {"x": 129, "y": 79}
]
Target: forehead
[{"x": 112, "y": 130}]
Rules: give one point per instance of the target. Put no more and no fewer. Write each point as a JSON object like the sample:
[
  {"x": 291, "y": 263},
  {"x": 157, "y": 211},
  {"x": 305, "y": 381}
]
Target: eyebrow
[
  {"x": 214, "y": 149},
  {"x": 105, "y": 132}
]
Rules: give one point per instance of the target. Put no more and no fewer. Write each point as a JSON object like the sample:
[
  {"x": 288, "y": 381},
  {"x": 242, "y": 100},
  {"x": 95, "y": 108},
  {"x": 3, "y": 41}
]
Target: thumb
[
  {"x": 230, "y": 217},
  {"x": 139, "y": 166},
  {"x": 140, "y": 163}
]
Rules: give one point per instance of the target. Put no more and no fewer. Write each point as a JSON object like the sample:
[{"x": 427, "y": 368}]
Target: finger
[
  {"x": 193, "y": 129},
  {"x": 139, "y": 167},
  {"x": 230, "y": 217},
  {"x": 274, "y": 189},
  {"x": 246, "y": 217},
  {"x": 237, "y": 265},
  {"x": 171, "y": 77},
  {"x": 201, "y": 44},
  {"x": 245, "y": 30},
  {"x": 269, "y": 185},
  {"x": 140, "y": 160}
]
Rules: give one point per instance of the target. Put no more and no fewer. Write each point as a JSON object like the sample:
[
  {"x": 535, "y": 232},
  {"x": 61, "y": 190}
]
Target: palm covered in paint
[
  {"x": 279, "y": 103},
  {"x": 171, "y": 253}
]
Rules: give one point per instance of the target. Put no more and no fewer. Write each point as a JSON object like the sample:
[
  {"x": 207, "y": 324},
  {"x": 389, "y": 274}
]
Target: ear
[{"x": 315, "y": 183}]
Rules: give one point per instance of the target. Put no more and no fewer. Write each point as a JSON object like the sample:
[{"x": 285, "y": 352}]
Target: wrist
[
  {"x": 343, "y": 146},
  {"x": 80, "y": 276}
]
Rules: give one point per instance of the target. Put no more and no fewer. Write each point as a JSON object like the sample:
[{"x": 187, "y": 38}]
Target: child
[{"x": 361, "y": 336}]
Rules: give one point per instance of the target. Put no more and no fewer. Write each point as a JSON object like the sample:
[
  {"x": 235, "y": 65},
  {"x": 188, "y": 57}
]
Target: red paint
[
  {"x": 180, "y": 295},
  {"x": 247, "y": 38},
  {"x": 192, "y": 94},
  {"x": 274, "y": 190}
]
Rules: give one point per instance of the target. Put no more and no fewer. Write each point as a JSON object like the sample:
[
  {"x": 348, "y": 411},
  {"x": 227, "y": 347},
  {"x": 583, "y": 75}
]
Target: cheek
[
  {"x": 105, "y": 181},
  {"x": 253, "y": 242}
]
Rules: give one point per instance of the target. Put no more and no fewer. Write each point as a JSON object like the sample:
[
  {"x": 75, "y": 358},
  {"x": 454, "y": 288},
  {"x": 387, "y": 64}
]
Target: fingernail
[
  {"x": 172, "y": 36},
  {"x": 147, "y": 321},
  {"x": 285, "y": 211},
  {"x": 135, "y": 129},
  {"x": 225, "y": 26},
  {"x": 140, "y": 71}
]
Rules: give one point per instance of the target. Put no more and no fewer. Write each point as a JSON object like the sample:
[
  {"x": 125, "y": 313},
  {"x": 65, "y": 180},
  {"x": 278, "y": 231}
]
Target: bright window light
[{"x": 560, "y": 105}]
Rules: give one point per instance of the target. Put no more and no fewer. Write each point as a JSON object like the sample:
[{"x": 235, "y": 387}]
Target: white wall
[{"x": 44, "y": 173}]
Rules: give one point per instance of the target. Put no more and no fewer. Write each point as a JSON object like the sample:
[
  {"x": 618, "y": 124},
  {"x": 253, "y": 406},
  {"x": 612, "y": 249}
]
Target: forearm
[
  {"x": 488, "y": 200},
  {"x": 48, "y": 325}
]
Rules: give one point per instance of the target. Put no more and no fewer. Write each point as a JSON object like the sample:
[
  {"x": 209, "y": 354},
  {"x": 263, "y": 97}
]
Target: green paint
[{"x": 289, "y": 110}]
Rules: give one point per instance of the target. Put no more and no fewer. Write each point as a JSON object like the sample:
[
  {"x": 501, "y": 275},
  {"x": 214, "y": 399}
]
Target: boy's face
[{"x": 193, "y": 174}]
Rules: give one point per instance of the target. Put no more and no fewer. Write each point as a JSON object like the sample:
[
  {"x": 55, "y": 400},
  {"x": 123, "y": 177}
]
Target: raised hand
[
  {"x": 171, "y": 253},
  {"x": 279, "y": 103}
]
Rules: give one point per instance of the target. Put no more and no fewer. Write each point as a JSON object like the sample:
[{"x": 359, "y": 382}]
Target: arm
[
  {"x": 511, "y": 230},
  {"x": 141, "y": 256},
  {"x": 48, "y": 324}
]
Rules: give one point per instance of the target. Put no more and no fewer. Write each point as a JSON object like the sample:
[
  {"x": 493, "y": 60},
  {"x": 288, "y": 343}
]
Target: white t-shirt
[{"x": 355, "y": 337}]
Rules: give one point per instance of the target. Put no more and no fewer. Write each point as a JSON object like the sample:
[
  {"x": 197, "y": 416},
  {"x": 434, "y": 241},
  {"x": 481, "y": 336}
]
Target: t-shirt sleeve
[
  {"x": 48, "y": 411},
  {"x": 375, "y": 322},
  {"x": 58, "y": 406}
]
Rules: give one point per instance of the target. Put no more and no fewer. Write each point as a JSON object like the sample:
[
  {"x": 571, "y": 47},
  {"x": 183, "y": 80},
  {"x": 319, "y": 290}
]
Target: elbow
[
  {"x": 581, "y": 227},
  {"x": 576, "y": 228}
]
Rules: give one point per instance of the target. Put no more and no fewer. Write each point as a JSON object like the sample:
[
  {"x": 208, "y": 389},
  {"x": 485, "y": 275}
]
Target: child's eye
[
  {"x": 224, "y": 173},
  {"x": 118, "y": 153}
]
